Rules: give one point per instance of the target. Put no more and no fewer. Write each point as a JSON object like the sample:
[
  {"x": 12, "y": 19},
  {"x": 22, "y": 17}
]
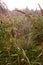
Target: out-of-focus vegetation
[{"x": 21, "y": 40}]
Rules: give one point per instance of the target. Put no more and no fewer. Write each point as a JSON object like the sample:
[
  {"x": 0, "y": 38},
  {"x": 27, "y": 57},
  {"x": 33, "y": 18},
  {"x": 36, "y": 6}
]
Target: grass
[{"x": 21, "y": 40}]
